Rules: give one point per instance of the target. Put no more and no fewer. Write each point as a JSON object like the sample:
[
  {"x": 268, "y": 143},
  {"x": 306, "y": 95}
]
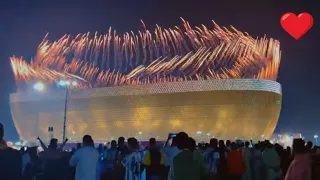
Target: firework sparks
[{"x": 164, "y": 55}]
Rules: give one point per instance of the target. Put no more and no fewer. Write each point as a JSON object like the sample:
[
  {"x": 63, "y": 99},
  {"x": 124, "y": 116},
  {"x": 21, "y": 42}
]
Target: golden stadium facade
[{"x": 227, "y": 109}]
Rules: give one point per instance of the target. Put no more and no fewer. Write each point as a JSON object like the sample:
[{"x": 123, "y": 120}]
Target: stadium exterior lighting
[
  {"x": 316, "y": 137},
  {"x": 39, "y": 86},
  {"x": 66, "y": 85},
  {"x": 140, "y": 135},
  {"x": 63, "y": 83},
  {"x": 208, "y": 134},
  {"x": 74, "y": 83},
  {"x": 73, "y": 134}
]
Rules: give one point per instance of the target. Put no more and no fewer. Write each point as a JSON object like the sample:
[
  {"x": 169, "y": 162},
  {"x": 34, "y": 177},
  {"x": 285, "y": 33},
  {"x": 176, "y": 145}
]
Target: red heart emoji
[{"x": 296, "y": 26}]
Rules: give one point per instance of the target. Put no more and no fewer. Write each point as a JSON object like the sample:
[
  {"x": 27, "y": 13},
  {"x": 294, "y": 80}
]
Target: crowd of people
[{"x": 179, "y": 158}]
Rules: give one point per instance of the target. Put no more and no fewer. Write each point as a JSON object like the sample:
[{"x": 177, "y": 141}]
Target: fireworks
[{"x": 164, "y": 55}]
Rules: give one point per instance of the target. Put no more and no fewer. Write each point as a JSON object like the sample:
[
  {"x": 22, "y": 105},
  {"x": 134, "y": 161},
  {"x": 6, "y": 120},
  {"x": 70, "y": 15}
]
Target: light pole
[
  {"x": 65, "y": 115},
  {"x": 66, "y": 85},
  {"x": 39, "y": 86}
]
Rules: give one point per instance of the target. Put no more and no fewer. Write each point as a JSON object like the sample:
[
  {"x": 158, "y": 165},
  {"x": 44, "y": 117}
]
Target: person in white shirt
[
  {"x": 132, "y": 162},
  {"x": 169, "y": 153},
  {"x": 86, "y": 160}
]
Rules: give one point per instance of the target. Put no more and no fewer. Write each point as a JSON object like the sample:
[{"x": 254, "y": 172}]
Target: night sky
[{"x": 24, "y": 23}]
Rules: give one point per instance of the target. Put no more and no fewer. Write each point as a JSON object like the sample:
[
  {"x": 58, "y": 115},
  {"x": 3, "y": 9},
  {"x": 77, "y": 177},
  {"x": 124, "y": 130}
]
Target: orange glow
[
  {"x": 176, "y": 123},
  {"x": 152, "y": 56}
]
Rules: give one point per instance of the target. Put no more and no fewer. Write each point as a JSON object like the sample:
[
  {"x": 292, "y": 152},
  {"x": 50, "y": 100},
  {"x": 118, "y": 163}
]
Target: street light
[
  {"x": 74, "y": 83},
  {"x": 39, "y": 86},
  {"x": 316, "y": 138},
  {"x": 66, "y": 85}
]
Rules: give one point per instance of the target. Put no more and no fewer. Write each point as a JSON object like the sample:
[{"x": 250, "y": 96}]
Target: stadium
[{"x": 210, "y": 83}]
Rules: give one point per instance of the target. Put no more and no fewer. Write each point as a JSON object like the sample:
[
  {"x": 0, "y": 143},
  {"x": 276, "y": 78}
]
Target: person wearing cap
[{"x": 86, "y": 160}]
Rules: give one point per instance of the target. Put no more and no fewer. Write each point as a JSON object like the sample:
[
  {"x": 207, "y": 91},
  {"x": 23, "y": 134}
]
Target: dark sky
[{"x": 24, "y": 23}]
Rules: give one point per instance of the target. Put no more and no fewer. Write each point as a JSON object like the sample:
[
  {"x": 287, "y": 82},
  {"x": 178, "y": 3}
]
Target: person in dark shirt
[
  {"x": 222, "y": 166},
  {"x": 309, "y": 146},
  {"x": 10, "y": 164},
  {"x": 31, "y": 166},
  {"x": 153, "y": 161},
  {"x": 52, "y": 152},
  {"x": 122, "y": 148},
  {"x": 123, "y": 151},
  {"x": 185, "y": 167},
  {"x": 10, "y": 161}
]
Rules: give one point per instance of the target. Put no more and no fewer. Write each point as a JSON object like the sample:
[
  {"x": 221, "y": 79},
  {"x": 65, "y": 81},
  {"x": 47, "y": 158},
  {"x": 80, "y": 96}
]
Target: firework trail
[{"x": 164, "y": 55}]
